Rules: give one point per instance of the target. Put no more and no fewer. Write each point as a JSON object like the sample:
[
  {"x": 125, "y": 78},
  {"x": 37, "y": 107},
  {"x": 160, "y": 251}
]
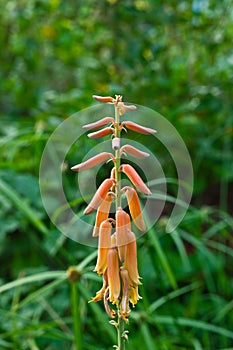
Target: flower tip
[
  {"x": 74, "y": 168},
  {"x": 104, "y": 99},
  {"x": 96, "y": 97},
  {"x": 88, "y": 210}
]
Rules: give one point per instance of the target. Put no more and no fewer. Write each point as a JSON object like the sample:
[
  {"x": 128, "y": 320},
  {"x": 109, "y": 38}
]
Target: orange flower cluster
[{"x": 117, "y": 250}]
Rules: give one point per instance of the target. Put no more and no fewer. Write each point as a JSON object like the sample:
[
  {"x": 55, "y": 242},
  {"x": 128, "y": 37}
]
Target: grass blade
[
  {"x": 162, "y": 257},
  {"x": 22, "y": 206}
]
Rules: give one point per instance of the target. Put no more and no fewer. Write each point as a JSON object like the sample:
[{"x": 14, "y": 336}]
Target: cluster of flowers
[{"x": 117, "y": 250}]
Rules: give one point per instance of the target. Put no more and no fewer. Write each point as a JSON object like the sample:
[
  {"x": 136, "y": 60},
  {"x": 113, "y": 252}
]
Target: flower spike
[
  {"x": 99, "y": 196},
  {"x": 117, "y": 249},
  {"x": 90, "y": 163},
  {"x": 135, "y": 178}
]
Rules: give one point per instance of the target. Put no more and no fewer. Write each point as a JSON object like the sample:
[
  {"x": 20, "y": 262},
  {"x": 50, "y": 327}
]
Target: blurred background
[{"x": 174, "y": 57}]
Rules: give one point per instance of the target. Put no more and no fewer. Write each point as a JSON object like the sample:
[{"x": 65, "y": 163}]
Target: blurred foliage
[{"x": 174, "y": 57}]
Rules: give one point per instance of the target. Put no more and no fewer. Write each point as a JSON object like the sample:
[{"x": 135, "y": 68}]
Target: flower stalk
[
  {"x": 117, "y": 249},
  {"x": 73, "y": 276}
]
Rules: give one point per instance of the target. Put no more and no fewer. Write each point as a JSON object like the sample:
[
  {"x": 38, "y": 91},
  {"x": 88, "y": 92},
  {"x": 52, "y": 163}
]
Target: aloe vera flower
[{"x": 117, "y": 249}]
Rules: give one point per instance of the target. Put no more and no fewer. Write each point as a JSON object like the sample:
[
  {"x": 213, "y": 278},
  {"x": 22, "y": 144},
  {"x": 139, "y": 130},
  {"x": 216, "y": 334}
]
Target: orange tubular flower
[
  {"x": 101, "y": 133},
  {"x": 122, "y": 226},
  {"x": 134, "y": 151},
  {"x": 100, "y": 294},
  {"x": 124, "y": 306},
  {"x": 90, "y": 163},
  {"x": 135, "y": 208},
  {"x": 138, "y": 128},
  {"x": 130, "y": 263},
  {"x": 104, "y": 246},
  {"x": 113, "y": 241},
  {"x": 133, "y": 295},
  {"x": 113, "y": 276},
  {"x": 111, "y": 313},
  {"x": 135, "y": 178},
  {"x": 99, "y": 195},
  {"x": 99, "y": 123},
  {"x": 102, "y": 213}
]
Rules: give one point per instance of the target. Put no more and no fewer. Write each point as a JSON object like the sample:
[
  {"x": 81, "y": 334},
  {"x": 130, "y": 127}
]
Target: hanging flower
[
  {"x": 113, "y": 276},
  {"x": 134, "y": 207},
  {"x": 104, "y": 246},
  {"x": 130, "y": 263},
  {"x": 135, "y": 178},
  {"x": 102, "y": 212},
  {"x": 133, "y": 151},
  {"x": 99, "y": 196},
  {"x": 138, "y": 128},
  {"x": 101, "y": 133},
  {"x": 90, "y": 163},
  {"x": 122, "y": 226},
  {"x": 99, "y": 123}
]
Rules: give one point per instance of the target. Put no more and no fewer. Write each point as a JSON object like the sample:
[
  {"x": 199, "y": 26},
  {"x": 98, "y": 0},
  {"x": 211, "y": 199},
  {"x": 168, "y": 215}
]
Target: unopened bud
[{"x": 115, "y": 143}]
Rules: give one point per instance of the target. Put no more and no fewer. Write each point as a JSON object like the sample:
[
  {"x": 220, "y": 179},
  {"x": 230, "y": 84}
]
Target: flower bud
[
  {"x": 99, "y": 123},
  {"x": 135, "y": 178},
  {"x": 101, "y": 133},
  {"x": 138, "y": 128},
  {"x": 135, "y": 208},
  {"x": 124, "y": 108},
  {"x": 99, "y": 196},
  {"x": 133, "y": 151},
  {"x": 105, "y": 99},
  {"x": 102, "y": 213},
  {"x": 90, "y": 163},
  {"x": 115, "y": 143}
]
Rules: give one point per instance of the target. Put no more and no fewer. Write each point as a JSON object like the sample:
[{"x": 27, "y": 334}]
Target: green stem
[
  {"x": 76, "y": 316},
  {"x": 120, "y": 331},
  {"x": 118, "y": 160}
]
